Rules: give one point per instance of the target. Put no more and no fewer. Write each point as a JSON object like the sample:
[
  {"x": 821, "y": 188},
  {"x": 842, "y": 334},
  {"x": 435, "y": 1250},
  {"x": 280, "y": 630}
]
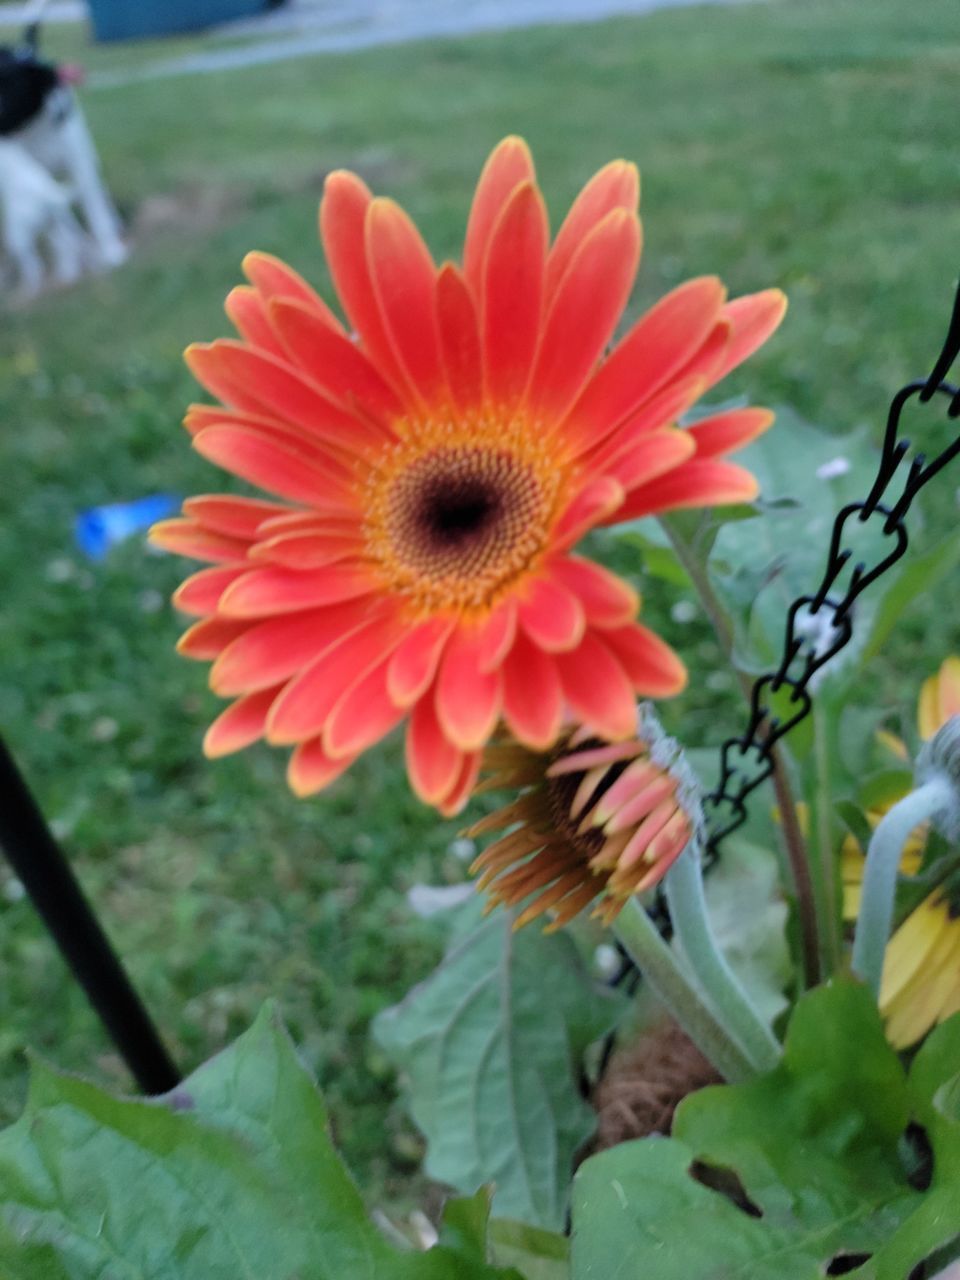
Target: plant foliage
[
  {"x": 491, "y": 1044},
  {"x": 232, "y": 1176},
  {"x": 806, "y": 1168}
]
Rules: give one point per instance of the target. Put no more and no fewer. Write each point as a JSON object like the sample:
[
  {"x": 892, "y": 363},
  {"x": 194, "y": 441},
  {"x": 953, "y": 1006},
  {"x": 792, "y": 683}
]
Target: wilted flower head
[
  {"x": 436, "y": 459},
  {"x": 594, "y": 820}
]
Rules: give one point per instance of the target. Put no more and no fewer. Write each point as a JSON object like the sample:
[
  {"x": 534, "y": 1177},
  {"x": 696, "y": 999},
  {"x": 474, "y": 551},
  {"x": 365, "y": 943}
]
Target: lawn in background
[{"x": 808, "y": 144}]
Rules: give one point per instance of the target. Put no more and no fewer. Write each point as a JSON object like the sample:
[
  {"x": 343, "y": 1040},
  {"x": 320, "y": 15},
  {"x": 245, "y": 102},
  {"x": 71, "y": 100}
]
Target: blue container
[
  {"x": 128, "y": 19},
  {"x": 99, "y": 529}
]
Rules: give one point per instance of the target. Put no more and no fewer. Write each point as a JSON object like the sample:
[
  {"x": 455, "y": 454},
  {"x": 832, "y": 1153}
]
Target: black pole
[{"x": 46, "y": 875}]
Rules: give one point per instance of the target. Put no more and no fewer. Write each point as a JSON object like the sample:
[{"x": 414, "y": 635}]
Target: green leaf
[
  {"x": 648, "y": 538},
  {"x": 793, "y": 1170},
  {"x": 491, "y": 1045},
  {"x": 231, "y": 1177},
  {"x": 883, "y": 787},
  {"x": 920, "y": 574},
  {"x": 537, "y": 1254},
  {"x": 933, "y": 1084},
  {"x": 854, "y": 819}
]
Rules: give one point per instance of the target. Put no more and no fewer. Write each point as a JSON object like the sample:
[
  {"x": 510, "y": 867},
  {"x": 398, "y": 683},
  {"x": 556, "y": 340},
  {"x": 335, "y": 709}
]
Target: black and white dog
[{"x": 49, "y": 173}]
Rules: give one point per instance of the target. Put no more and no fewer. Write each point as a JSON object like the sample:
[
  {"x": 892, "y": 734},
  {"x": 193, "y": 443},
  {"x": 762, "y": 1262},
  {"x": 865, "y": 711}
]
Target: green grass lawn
[{"x": 808, "y": 144}]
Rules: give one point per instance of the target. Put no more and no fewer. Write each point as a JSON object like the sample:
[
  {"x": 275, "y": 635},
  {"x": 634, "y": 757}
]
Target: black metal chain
[{"x": 746, "y": 760}]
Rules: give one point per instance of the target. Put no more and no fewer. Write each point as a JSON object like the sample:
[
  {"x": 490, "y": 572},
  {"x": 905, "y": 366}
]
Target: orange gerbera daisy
[{"x": 442, "y": 461}]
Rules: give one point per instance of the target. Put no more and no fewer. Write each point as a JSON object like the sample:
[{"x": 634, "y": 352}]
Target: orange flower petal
[
  {"x": 414, "y": 661},
  {"x": 606, "y": 600},
  {"x": 724, "y": 432},
  {"x": 208, "y": 639},
  {"x": 551, "y": 616},
  {"x": 278, "y": 389},
  {"x": 200, "y": 594},
  {"x": 697, "y": 483},
  {"x": 241, "y": 724},
  {"x": 333, "y": 361},
  {"x": 459, "y": 337},
  {"x": 589, "y": 302},
  {"x": 455, "y": 800},
  {"x": 273, "y": 279},
  {"x": 311, "y": 769},
  {"x": 638, "y": 846},
  {"x": 315, "y": 522},
  {"x": 661, "y": 410},
  {"x": 651, "y": 354},
  {"x": 496, "y": 635},
  {"x": 343, "y": 213},
  {"x": 512, "y": 293},
  {"x": 532, "y": 695},
  {"x": 616, "y": 186},
  {"x": 309, "y": 550},
  {"x": 711, "y": 355},
  {"x": 261, "y": 592},
  {"x": 650, "y": 664},
  {"x": 279, "y": 468},
  {"x": 433, "y": 762},
  {"x": 597, "y": 689},
  {"x": 272, "y": 651},
  {"x": 186, "y": 538},
  {"x": 509, "y": 164},
  {"x": 753, "y": 318},
  {"x": 245, "y": 308},
  {"x": 404, "y": 277},
  {"x": 200, "y": 416},
  {"x": 656, "y": 454},
  {"x": 301, "y": 710},
  {"x": 236, "y": 517},
  {"x": 597, "y": 501},
  {"x": 468, "y": 700},
  {"x": 364, "y": 715}
]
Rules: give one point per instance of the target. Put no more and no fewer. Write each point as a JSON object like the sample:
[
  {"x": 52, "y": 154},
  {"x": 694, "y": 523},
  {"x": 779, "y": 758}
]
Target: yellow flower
[
  {"x": 921, "y": 973},
  {"x": 939, "y": 698}
]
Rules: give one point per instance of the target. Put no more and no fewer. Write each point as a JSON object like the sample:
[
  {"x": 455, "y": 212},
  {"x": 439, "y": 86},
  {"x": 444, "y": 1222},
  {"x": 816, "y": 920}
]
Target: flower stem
[
  {"x": 792, "y": 835},
  {"x": 688, "y": 911},
  {"x": 828, "y": 865},
  {"x": 680, "y": 996},
  {"x": 880, "y": 874}
]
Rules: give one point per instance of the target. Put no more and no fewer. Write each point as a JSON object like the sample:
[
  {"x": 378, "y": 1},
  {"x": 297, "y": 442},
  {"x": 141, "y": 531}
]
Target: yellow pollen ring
[{"x": 460, "y": 509}]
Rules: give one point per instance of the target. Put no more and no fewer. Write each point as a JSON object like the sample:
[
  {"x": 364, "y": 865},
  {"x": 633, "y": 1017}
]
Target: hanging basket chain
[{"x": 746, "y": 759}]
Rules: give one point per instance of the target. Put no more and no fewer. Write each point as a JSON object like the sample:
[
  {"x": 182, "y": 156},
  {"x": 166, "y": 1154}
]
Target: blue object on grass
[
  {"x": 128, "y": 19},
  {"x": 100, "y": 528}
]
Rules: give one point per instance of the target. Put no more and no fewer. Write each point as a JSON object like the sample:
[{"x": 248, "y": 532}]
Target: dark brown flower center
[
  {"x": 561, "y": 792},
  {"x": 456, "y": 524}
]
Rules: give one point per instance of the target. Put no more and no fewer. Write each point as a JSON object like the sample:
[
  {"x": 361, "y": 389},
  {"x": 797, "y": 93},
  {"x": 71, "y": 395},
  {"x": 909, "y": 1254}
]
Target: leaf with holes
[
  {"x": 798, "y": 1174},
  {"x": 234, "y": 1175},
  {"x": 491, "y": 1045}
]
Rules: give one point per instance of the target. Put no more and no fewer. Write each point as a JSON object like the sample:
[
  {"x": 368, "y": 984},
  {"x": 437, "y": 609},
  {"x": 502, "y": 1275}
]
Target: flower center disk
[{"x": 454, "y": 522}]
